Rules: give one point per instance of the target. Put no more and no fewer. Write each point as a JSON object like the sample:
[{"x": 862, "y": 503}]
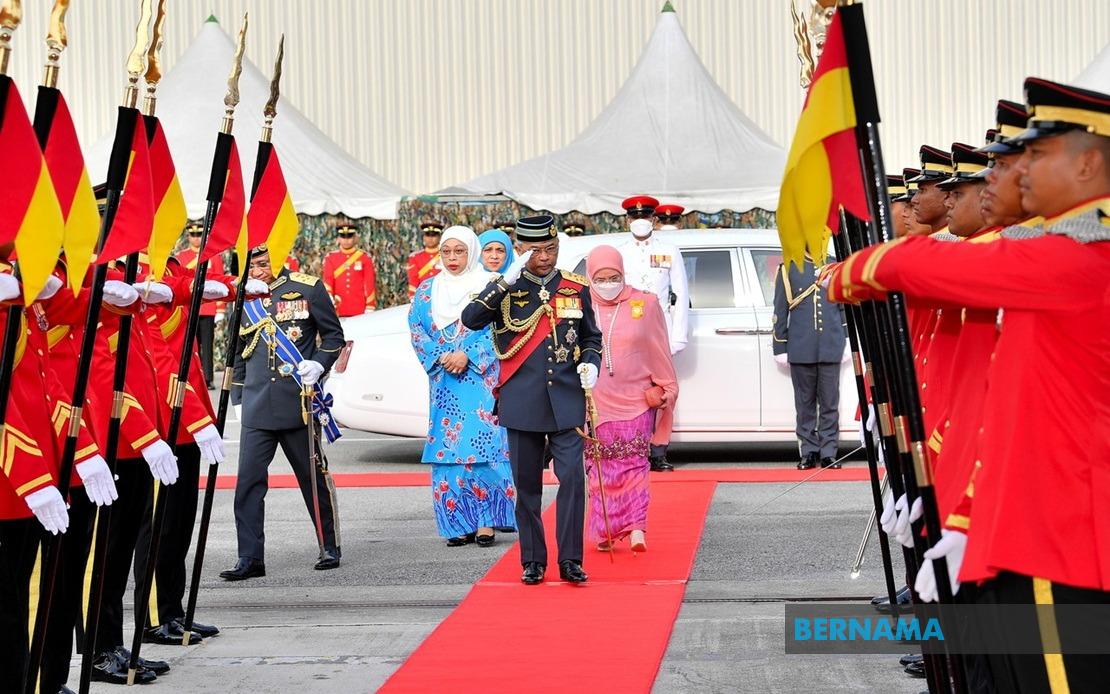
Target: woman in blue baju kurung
[{"x": 472, "y": 484}]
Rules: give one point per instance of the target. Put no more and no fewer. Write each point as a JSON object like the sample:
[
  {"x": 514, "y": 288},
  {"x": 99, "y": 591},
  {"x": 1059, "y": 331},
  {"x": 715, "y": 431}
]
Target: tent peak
[
  {"x": 212, "y": 18},
  {"x": 667, "y": 7}
]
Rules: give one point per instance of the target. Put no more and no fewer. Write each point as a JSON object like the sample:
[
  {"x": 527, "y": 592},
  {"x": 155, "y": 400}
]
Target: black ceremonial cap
[
  {"x": 936, "y": 164},
  {"x": 966, "y": 162},
  {"x": 990, "y": 138},
  {"x": 1056, "y": 108},
  {"x": 895, "y": 186},
  {"x": 258, "y": 250},
  {"x": 540, "y": 227},
  {"x": 573, "y": 229},
  {"x": 1010, "y": 119},
  {"x": 909, "y": 176},
  {"x": 431, "y": 227}
]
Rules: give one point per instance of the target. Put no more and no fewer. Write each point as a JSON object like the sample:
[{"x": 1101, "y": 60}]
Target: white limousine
[{"x": 730, "y": 388}]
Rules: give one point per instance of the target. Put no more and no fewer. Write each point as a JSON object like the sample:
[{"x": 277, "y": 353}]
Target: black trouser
[
  {"x": 133, "y": 483},
  {"x": 256, "y": 452},
  {"x": 206, "y": 335},
  {"x": 66, "y": 606},
  {"x": 177, "y": 532},
  {"x": 816, "y": 404},
  {"x": 19, "y": 549},
  {"x": 526, "y": 455},
  {"x": 1043, "y": 673}
]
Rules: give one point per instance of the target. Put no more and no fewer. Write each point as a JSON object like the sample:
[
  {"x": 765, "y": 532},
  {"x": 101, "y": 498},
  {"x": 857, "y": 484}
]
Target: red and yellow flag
[
  {"x": 229, "y": 221},
  {"x": 135, "y": 216},
  {"x": 29, "y": 211},
  {"x": 272, "y": 219},
  {"x": 823, "y": 171},
  {"x": 75, "y": 194},
  {"x": 169, "y": 203}
]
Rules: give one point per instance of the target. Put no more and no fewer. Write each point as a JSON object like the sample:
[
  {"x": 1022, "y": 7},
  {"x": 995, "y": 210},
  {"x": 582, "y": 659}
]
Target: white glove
[
  {"x": 903, "y": 526},
  {"x": 951, "y": 546},
  {"x": 97, "y": 478},
  {"x": 163, "y": 463},
  {"x": 214, "y": 290},
  {"x": 9, "y": 286},
  {"x": 310, "y": 371},
  {"x": 867, "y": 422},
  {"x": 153, "y": 292},
  {"x": 238, "y": 411},
  {"x": 255, "y": 287},
  {"x": 119, "y": 293},
  {"x": 220, "y": 318},
  {"x": 210, "y": 442},
  {"x": 783, "y": 360},
  {"x": 889, "y": 515},
  {"x": 677, "y": 347},
  {"x": 847, "y": 354},
  {"x": 53, "y": 284},
  {"x": 587, "y": 374},
  {"x": 512, "y": 273},
  {"x": 50, "y": 508}
]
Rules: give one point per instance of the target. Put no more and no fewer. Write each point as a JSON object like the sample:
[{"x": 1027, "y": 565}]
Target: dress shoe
[
  {"x": 884, "y": 598},
  {"x": 830, "y": 463},
  {"x": 485, "y": 540},
  {"x": 66, "y": 690},
  {"x": 808, "y": 462},
  {"x": 158, "y": 667},
  {"x": 903, "y": 598},
  {"x": 206, "y": 631},
  {"x": 910, "y": 658},
  {"x": 659, "y": 464},
  {"x": 244, "y": 568},
  {"x": 329, "y": 559},
  {"x": 460, "y": 540},
  {"x": 571, "y": 572},
  {"x": 169, "y": 634},
  {"x": 533, "y": 573},
  {"x": 916, "y": 669},
  {"x": 110, "y": 667}
]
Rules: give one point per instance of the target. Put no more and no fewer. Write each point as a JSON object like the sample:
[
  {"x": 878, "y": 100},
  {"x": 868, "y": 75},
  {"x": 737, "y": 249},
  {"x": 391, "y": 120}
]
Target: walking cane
[
  {"x": 313, "y": 460},
  {"x": 591, "y": 436}
]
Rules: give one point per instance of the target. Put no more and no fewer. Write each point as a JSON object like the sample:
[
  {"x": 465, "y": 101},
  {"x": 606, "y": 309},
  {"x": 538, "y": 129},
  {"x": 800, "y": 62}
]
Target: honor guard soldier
[
  {"x": 669, "y": 217},
  {"x": 656, "y": 266},
  {"x": 271, "y": 399},
  {"x": 211, "y": 313},
  {"x": 423, "y": 263},
  {"x": 928, "y": 201},
  {"x": 509, "y": 227},
  {"x": 809, "y": 338},
  {"x": 349, "y": 276},
  {"x": 549, "y": 345}
]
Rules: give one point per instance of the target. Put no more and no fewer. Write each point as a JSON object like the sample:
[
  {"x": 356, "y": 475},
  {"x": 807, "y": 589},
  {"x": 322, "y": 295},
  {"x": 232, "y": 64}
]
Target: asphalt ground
[{"x": 347, "y": 630}]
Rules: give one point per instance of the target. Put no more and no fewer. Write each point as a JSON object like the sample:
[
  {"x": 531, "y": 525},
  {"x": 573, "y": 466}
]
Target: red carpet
[
  {"x": 420, "y": 479},
  {"x": 611, "y": 632}
]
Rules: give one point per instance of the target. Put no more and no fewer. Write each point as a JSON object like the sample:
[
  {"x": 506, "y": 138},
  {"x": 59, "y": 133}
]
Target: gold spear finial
[
  {"x": 55, "y": 42},
  {"x": 11, "y": 14},
  {"x": 136, "y": 59},
  {"x": 269, "y": 111},
  {"x": 154, "y": 59},
  {"x": 810, "y": 27},
  {"x": 231, "y": 99}
]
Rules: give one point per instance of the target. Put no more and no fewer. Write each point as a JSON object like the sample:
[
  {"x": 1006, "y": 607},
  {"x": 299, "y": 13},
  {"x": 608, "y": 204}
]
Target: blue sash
[{"x": 287, "y": 351}]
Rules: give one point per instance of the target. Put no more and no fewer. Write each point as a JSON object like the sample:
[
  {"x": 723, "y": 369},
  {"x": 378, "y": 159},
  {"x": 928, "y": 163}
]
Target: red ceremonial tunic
[
  {"x": 188, "y": 259},
  {"x": 422, "y": 265},
  {"x": 350, "y": 280}
]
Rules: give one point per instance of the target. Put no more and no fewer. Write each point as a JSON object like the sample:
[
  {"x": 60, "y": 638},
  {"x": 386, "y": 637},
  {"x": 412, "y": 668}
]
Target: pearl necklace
[{"x": 607, "y": 350}]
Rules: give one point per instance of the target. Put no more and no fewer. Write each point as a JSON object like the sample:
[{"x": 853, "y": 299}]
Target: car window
[
  {"x": 766, "y": 261},
  {"x": 709, "y": 274}
]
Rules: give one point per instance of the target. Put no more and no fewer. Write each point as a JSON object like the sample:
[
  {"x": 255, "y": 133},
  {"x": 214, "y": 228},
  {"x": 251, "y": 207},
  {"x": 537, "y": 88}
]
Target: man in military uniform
[
  {"x": 669, "y": 217},
  {"x": 573, "y": 229},
  {"x": 263, "y": 383},
  {"x": 211, "y": 312},
  {"x": 422, "y": 263},
  {"x": 809, "y": 338},
  {"x": 549, "y": 345},
  {"x": 928, "y": 202},
  {"x": 349, "y": 275}
]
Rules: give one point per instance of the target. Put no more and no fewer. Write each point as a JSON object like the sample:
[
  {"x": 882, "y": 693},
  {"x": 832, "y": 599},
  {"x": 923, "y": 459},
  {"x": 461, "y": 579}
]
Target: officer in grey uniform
[
  {"x": 547, "y": 339},
  {"x": 809, "y": 337},
  {"x": 300, "y": 307}
]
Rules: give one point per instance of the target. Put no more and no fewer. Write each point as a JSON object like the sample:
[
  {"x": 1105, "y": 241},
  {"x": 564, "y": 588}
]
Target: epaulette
[
  {"x": 303, "y": 278},
  {"x": 575, "y": 277}
]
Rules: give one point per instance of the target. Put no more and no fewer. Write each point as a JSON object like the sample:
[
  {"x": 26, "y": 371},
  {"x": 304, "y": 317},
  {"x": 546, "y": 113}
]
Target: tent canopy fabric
[
  {"x": 322, "y": 178},
  {"x": 670, "y": 132},
  {"x": 1096, "y": 76}
]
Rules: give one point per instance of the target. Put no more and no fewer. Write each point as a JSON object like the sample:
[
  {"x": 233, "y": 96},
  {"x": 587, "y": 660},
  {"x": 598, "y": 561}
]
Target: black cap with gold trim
[
  {"x": 574, "y": 229},
  {"x": 260, "y": 249},
  {"x": 895, "y": 186},
  {"x": 990, "y": 138},
  {"x": 1010, "y": 118},
  {"x": 194, "y": 229},
  {"x": 936, "y": 165},
  {"x": 966, "y": 162},
  {"x": 1056, "y": 108},
  {"x": 909, "y": 176},
  {"x": 347, "y": 229},
  {"x": 540, "y": 227},
  {"x": 431, "y": 226}
]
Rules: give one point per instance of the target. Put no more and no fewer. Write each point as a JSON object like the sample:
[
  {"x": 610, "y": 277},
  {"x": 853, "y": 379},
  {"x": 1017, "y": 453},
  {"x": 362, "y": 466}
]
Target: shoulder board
[
  {"x": 303, "y": 278},
  {"x": 574, "y": 277}
]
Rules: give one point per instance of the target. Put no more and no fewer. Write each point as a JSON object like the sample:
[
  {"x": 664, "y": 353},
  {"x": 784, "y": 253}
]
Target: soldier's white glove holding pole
[
  {"x": 907, "y": 515},
  {"x": 49, "y": 508},
  {"x": 53, "y": 284},
  {"x": 255, "y": 287},
  {"x": 119, "y": 294},
  {"x": 154, "y": 292},
  {"x": 951, "y": 547},
  {"x": 214, "y": 290},
  {"x": 310, "y": 372},
  {"x": 210, "y": 443},
  {"x": 587, "y": 374},
  {"x": 163, "y": 463},
  {"x": 9, "y": 286},
  {"x": 512, "y": 273},
  {"x": 97, "y": 480}
]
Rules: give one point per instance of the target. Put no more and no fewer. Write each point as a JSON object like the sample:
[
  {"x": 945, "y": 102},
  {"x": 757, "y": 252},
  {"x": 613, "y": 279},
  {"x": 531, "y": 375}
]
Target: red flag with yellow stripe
[
  {"x": 169, "y": 202},
  {"x": 228, "y": 224},
  {"x": 823, "y": 171},
  {"x": 134, "y": 219},
  {"x": 272, "y": 219}
]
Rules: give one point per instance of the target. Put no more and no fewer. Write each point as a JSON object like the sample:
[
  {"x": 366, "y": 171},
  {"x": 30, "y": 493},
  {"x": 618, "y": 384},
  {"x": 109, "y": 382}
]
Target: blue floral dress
[{"x": 472, "y": 483}]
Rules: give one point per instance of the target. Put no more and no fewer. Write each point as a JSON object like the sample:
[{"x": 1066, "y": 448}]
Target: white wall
[{"x": 430, "y": 93}]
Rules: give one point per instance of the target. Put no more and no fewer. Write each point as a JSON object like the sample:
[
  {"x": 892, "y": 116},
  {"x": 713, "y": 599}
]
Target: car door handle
[{"x": 741, "y": 331}]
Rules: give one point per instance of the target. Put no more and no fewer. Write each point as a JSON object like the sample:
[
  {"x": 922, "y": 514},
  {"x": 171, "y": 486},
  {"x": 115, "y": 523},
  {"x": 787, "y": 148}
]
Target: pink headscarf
[{"x": 606, "y": 258}]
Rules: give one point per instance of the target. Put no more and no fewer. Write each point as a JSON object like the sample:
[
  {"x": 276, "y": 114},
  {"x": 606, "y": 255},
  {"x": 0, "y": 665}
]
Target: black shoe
[
  {"x": 903, "y": 598},
  {"x": 204, "y": 630},
  {"x": 158, "y": 667},
  {"x": 244, "y": 568},
  {"x": 533, "y": 573},
  {"x": 329, "y": 559},
  {"x": 66, "y": 690},
  {"x": 916, "y": 669},
  {"x": 884, "y": 598},
  {"x": 659, "y": 464},
  {"x": 808, "y": 462},
  {"x": 910, "y": 658},
  {"x": 830, "y": 463},
  {"x": 169, "y": 634},
  {"x": 485, "y": 540},
  {"x": 571, "y": 572},
  {"x": 110, "y": 667},
  {"x": 460, "y": 540}
]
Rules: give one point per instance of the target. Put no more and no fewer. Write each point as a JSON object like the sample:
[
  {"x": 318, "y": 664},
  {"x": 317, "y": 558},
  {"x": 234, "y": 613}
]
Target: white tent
[
  {"x": 322, "y": 178},
  {"x": 670, "y": 132},
  {"x": 1096, "y": 76}
]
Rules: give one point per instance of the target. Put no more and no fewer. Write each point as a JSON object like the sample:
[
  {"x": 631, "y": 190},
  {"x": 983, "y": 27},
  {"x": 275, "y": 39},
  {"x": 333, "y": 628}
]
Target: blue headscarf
[{"x": 498, "y": 236}]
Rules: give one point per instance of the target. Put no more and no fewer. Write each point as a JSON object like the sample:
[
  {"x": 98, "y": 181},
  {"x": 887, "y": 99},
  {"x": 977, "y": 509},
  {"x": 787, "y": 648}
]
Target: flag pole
[
  {"x": 216, "y": 183},
  {"x": 11, "y": 14},
  {"x": 269, "y": 112}
]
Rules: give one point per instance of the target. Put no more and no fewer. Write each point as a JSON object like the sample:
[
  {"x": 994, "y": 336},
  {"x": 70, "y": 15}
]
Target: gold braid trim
[
  {"x": 526, "y": 326},
  {"x": 266, "y": 322}
]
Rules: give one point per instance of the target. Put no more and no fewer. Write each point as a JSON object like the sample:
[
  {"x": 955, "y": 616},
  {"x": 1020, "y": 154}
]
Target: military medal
[
  {"x": 294, "y": 332},
  {"x": 561, "y": 354},
  {"x": 544, "y": 294},
  {"x": 637, "y": 306},
  {"x": 570, "y": 336},
  {"x": 286, "y": 369}
]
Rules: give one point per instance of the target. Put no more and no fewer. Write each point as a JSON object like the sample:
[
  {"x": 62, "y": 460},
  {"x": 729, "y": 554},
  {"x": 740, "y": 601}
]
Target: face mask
[
  {"x": 640, "y": 228},
  {"x": 667, "y": 227},
  {"x": 608, "y": 290}
]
